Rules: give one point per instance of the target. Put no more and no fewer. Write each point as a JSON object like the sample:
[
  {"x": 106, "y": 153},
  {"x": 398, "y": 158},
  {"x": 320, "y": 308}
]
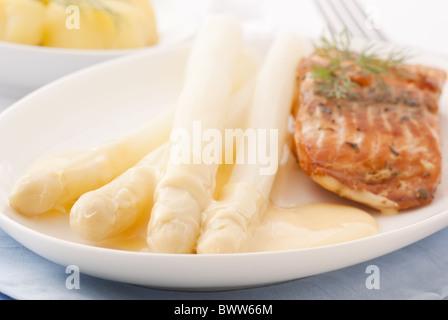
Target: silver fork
[{"x": 350, "y": 16}]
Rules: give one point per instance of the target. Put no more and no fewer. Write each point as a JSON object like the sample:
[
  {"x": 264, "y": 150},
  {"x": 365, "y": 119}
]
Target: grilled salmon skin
[{"x": 380, "y": 145}]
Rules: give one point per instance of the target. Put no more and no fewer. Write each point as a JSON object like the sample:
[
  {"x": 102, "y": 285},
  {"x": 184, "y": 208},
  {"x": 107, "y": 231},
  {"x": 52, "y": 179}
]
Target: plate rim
[{"x": 423, "y": 228}]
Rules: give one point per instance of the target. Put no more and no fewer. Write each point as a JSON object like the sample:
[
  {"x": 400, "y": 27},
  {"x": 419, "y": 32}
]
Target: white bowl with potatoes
[{"x": 43, "y": 40}]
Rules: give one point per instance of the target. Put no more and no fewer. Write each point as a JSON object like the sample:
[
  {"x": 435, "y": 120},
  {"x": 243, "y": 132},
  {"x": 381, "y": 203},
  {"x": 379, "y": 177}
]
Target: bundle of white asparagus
[
  {"x": 112, "y": 187},
  {"x": 229, "y": 222}
]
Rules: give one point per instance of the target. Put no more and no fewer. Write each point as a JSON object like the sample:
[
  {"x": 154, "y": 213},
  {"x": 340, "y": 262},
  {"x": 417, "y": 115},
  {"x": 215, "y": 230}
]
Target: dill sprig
[{"x": 334, "y": 78}]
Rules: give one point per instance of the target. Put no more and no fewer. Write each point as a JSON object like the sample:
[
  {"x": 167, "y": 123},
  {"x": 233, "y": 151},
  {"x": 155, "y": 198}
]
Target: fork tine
[
  {"x": 322, "y": 10},
  {"x": 347, "y": 15},
  {"x": 334, "y": 12},
  {"x": 356, "y": 24}
]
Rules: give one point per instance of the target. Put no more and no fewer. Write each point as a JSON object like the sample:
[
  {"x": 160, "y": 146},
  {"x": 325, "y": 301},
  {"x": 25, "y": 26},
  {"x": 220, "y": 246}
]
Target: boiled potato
[
  {"x": 22, "y": 21},
  {"x": 96, "y": 27},
  {"x": 83, "y": 24},
  {"x": 138, "y": 27}
]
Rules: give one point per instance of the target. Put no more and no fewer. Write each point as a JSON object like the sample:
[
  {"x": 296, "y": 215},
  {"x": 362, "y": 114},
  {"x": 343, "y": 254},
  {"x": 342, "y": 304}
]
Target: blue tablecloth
[{"x": 418, "y": 271}]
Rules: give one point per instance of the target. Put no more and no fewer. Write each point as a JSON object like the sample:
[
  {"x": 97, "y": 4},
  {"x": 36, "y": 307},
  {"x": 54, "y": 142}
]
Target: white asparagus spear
[
  {"x": 106, "y": 212},
  {"x": 186, "y": 189},
  {"x": 229, "y": 222},
  {"x": 47, "y": 187},
  {"x": 115, "y": 207},
  {"x": 53, "y": 186}
]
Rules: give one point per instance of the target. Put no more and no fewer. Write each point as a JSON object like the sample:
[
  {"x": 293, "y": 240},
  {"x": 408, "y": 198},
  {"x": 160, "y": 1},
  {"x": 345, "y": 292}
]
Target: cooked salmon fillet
[{"x": 380, "y": 145}]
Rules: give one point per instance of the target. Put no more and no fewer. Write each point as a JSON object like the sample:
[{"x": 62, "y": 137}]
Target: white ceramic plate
[
  {"x": 25, "y": 67},
  {"x": 105, "y": 101}
]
